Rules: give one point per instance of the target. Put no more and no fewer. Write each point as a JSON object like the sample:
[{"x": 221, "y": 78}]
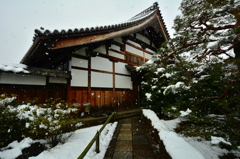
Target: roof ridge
[
  {"x": 150, "y": 9},
  {"x": 134, "y": 20}
]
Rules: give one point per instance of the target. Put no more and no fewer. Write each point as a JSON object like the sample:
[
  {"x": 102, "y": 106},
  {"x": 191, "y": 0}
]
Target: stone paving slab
[
  {"x": 123, "y": 145},
  {"x": 125, "y": 155},
  {"x": 125, "y": 136},
  {"x": 132, "y": 139}
]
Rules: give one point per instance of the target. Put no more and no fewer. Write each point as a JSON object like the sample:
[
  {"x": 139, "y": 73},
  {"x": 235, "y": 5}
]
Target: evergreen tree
[{"x": 200, "y": 67}]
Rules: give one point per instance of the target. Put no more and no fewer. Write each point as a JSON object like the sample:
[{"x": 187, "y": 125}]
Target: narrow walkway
[{"x": 135, "y": 139}]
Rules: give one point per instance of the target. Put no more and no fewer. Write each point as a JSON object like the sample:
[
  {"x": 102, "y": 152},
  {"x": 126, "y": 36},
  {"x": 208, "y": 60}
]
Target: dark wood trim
[
  {"x": 80, "y": 56},
  {"x": 89, "y": 79},
  {"x": 78, "y": 88},
  {"x": 120, "y": 74},
  {"x": 162, "y": 25},
  {"x": 68, "y": 89},
  {"x": 124, "y": 49},
  {"x": 47, "y": 88},
  {"x": 100, "y": 88},
  {"x": 100, "y": 71},
  {"x": 79, "y": 68},
  {"x": 106, "y": 48},
  {"x": 132, "y": 54},
  {"x": 111, "y": 58},
  {"x": 114, "y": 80},
  {"x": 94, "y": 37}
]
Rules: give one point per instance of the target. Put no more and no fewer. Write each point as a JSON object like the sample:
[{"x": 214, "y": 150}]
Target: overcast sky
[{"x": 19, "y": 18}]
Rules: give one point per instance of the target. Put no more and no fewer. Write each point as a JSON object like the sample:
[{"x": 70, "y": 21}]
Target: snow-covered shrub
[
  {"x": 48, "y": 121},
  {"x": 5, "y": 99},
  {"x": 45, "y": 121},
  {"x": 11, "y": 127}
]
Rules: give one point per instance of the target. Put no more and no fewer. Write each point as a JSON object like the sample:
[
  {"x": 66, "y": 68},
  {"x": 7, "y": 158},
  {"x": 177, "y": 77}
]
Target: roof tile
[{"x": 136, "y": 19}]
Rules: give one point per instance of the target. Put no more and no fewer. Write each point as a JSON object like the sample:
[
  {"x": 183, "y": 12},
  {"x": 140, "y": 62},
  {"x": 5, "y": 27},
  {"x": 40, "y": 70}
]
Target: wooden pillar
[
  {"x": 114, "y": 78},
  {"x": 114, "y": 83},
  {"x": 68, "y": 89},
  {"x": 47, "y": 88},
  {"x": 89, "y": 80}
]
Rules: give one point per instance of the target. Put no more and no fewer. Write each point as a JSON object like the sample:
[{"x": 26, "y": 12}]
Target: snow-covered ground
[
  {"x": 69, "y": 150},
  {"x": 178, "y": 146}
]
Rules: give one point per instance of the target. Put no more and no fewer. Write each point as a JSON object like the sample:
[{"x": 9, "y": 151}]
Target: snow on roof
[
  {"x": 21, "y": 68},
  {"x": 16, "y": 68}
]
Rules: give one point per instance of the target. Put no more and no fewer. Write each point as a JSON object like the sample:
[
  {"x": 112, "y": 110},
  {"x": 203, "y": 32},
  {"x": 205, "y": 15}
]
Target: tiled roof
[{"x": 133, "y": 21}]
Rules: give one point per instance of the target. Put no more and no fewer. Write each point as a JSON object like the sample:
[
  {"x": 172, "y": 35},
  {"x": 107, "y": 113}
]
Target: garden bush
[{"x": 48, "y": 121}]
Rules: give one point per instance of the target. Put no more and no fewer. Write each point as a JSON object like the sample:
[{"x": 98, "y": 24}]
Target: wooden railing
[{"x": 96, "y": 138}]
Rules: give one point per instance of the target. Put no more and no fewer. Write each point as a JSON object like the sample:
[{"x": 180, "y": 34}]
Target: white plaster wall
[
  {"x": 115, "y": 47},
  {"x": 120, "y": 68},
  {"x": 148, "y": 56},
  {"x": 81, "y": 51},
  {"x": 134, "y": 50},
  {"x": 8, "y": 78},
  {"x": 118, "y": 40},
  {"x": 100, "y": 63},
  {"x": 143, "y": 38},
  {"x": 101, "y": 49},
  {"x": 57, "y": 80},
  {"x": 114, "y": 54},
  {"x": 79, "y": 78},
  {"x": 150, "y": 50},
  {"x": 134, "y": 43},
  {"x": 101, "y": 80},
  {"x": 79, "y": 62},
  {"x": 123, "y": 82}
]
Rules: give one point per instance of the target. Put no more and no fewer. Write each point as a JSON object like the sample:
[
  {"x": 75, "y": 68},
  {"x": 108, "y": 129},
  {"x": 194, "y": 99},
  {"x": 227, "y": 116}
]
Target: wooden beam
[
  {"x": 101, "y": 37},
  {"x": 47, "y": 88},
  {"x": 132, "y": 54},
  {"x": 80, "y": 56},
  {"x": 164, "y": 31},
  {"x": 100, "y": 71}
]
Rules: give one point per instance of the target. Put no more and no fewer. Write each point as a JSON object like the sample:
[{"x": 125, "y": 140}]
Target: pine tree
[{"x": 200, "y": 67}]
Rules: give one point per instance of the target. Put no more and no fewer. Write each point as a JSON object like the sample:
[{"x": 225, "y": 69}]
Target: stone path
[{"x": 134, "y": 138}]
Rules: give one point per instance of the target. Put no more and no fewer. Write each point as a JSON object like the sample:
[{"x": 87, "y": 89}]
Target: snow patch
[
  {"x": 175, "y": 145},
  {"x": 216, "y": 140},
  {"x": 71, "y": 149},
  {"x": 14, "y": 149}
]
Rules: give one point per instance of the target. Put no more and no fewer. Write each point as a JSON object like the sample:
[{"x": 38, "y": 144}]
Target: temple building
[{"x": 88, "y": 65}]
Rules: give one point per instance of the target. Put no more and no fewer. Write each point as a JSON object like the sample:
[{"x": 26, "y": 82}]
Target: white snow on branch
[
  {"x": 5, "y": 101},
  {"x": 160, "y": 70},
  {"x": 148, "y": 95},
  {"x": 185, "y": 113},
  {"x": 173, "y": 88}
]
